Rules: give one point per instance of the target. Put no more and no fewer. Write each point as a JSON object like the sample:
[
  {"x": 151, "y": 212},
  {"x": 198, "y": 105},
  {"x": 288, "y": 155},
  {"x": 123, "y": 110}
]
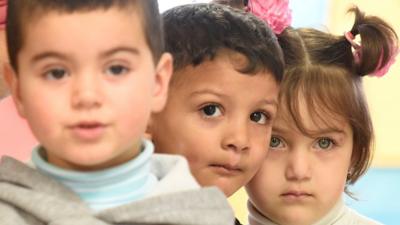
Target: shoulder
[
  {"x": 9, "y": 215},
  {"x": 173, "y": 174},
  {"x": 205, "y": 206},
  {"x": 162, "y": 164}
]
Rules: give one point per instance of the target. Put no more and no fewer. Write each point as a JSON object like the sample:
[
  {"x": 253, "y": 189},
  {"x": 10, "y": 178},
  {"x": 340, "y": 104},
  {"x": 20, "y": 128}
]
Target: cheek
[
  {"x": 257, "y": 160},
  {"x": 194, "y": 140},
  {"x": 332, "y": 186},
  {"x": 42, "y": 111},
  {"x": 261, "y": 189},
  {"x": 133, "y": 123},
  {"x": 132, "y": 113},
  {"x": 259, "y": 151},
  {"x": 195, "y": 154},
  {"x": 266, "y": 177},
  {"x": 43, "y": 127},
  {"x": 260, "y": 137}
]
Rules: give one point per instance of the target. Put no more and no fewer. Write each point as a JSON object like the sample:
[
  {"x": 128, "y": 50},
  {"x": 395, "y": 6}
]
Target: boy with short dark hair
[{"x": 223, "y": 94}]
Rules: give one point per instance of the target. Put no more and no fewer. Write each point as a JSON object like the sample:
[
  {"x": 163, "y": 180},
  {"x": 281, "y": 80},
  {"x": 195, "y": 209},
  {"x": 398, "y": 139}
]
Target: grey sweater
[{"x": 29, "y": 198}]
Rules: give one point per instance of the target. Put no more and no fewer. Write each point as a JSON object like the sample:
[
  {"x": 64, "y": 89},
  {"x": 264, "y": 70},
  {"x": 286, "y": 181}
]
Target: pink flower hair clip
[{"x": 275, "y": 13}]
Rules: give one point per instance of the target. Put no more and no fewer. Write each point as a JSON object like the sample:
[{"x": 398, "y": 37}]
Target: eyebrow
[
  {"x": 212, "y": 92},
  {"x": 113, "y": 51},
  {"x": 318, "y": 131},
  {"x": 269, "y": 102},
  {"x": 47, "y": 54},
  {"x": 280, "y": 129},
  {"x": 57, "y": 55},
  {"x": 207, "y": 91}
]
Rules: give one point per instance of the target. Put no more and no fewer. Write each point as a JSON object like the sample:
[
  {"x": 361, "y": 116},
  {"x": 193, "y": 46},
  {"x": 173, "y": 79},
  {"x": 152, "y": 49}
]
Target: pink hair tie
[
  {"x": 381, "y": 70},
  {"x": 350, "y": 38},
  {"x": 275, "y": 13},
  {"x": 357, "y": 47}
]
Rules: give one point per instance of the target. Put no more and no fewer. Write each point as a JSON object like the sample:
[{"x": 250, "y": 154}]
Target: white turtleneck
[{"x": 340, "y": 214}]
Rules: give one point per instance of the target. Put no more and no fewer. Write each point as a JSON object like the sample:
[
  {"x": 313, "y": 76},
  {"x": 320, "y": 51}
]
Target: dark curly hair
[{"x": 195, "y": 33}]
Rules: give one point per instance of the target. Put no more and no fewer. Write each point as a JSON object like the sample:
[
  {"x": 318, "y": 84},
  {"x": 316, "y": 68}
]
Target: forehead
[
  {"x": 83, "y": 32},
  {"x": 223, "y": 70},
  {"x": 225, "y": 61},
  {"x": 218, "y": 79},
  {"x": 308, "y": 116},
  {"x": 58, "y": 20}
]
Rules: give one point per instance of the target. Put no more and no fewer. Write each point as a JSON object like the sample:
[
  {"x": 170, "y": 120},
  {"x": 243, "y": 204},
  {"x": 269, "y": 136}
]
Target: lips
[
  {"x": 296, "y": 196},
  {"x": 88, "y": 131},
  {"x": 226, "y": 169}
]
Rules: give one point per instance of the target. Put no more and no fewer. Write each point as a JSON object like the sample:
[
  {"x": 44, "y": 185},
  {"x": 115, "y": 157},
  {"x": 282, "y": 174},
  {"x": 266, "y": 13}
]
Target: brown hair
[
  {"x": 321, "y": 68},
  {"x": 21, "y": 12}
]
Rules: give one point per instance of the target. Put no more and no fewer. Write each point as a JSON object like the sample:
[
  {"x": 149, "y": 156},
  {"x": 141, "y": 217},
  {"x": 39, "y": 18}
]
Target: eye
[
  {"x": 55, "y": 74},
  {"x": 325, "y": 143},
  {"x": 211, "y": 110},
  {"x": 275, "y": 142},
  {"x": 116, "y": 70},
  {"x": 259, "y": 117}
]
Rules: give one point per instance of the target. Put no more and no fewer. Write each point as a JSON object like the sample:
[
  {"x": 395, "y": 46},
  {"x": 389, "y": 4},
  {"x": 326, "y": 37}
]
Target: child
[
  {"x": 321, "y": 139},
  {"x": 223, "y": 93},
  {"x": 86, "y": 75}
]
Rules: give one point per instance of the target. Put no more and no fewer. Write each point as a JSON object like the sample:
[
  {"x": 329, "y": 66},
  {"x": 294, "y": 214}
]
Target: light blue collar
[{"x": 107, "y": 188}]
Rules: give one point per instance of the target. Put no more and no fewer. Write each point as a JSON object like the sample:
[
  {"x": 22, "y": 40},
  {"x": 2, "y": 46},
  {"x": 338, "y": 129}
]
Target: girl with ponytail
[{"x": 322, "y": 136}]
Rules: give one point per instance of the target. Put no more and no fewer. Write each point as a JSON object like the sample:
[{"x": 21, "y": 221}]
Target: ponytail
[{"x": 378, "y": 46}]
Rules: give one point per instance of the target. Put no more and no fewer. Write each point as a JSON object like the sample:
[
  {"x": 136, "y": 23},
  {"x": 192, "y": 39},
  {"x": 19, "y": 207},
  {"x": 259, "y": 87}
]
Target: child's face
[
  {"x": 87, "y": 85},
  {"x": 302, "y": 178},
  {"x": 220, "y": 119}
]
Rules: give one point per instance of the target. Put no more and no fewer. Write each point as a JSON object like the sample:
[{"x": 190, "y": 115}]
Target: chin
[{"x": 227, "y": 189}]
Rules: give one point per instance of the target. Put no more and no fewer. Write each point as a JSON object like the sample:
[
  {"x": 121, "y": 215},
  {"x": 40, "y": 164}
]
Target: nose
[
  {"x": 299, "y": 166},
  {"x": 236, "y": 136},
  {"x": 86, "y": 92}
]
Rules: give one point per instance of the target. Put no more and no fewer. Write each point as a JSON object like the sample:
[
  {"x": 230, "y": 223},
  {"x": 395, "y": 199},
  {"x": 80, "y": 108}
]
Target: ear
[
  {"x": 164, "y": 71},
  {"x": 148, "y": 132},
  {"x": 3, "y": 85},
  {"x": 13, "y": 84}
]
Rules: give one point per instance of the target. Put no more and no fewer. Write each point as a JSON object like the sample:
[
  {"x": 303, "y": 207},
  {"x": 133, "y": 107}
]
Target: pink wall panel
[{"x": 16, "y": 139}]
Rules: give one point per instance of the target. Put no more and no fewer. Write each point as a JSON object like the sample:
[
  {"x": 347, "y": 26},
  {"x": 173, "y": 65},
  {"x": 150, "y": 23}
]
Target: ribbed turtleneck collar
[
  {"x": 107, "y": 188},
  {"x": 335, "y": 214}
]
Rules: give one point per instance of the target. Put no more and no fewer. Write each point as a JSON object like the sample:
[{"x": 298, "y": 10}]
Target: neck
[
  {"x": 256, "y": 218},
  {"x": 333, "y": 215},
  {"x": 107, "y": 188}
]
